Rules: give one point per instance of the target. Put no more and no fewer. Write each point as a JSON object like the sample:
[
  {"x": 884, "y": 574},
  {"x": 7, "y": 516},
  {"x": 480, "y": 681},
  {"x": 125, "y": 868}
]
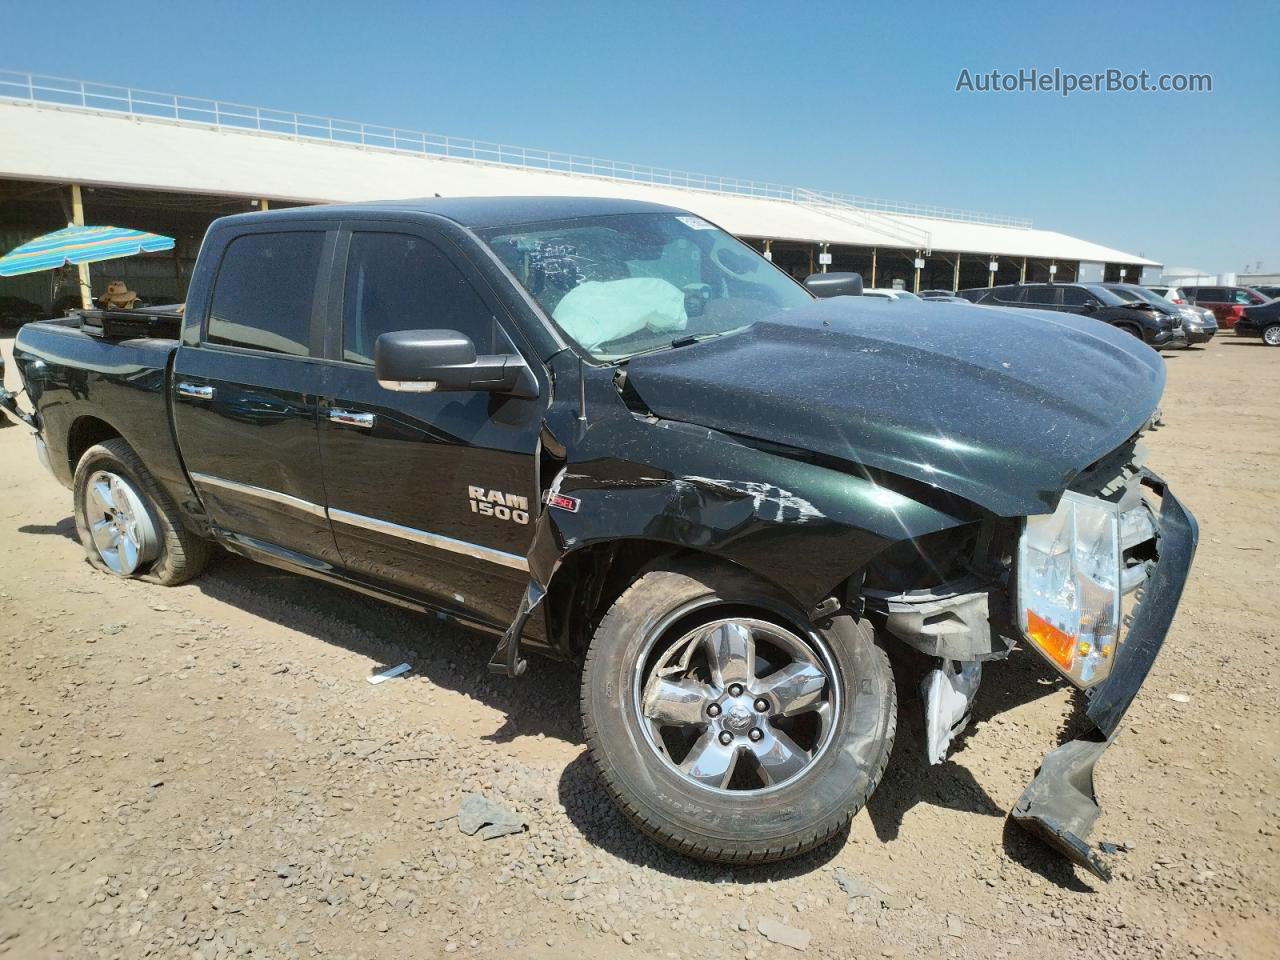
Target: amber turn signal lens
[{"x": 1057, "y": 644}]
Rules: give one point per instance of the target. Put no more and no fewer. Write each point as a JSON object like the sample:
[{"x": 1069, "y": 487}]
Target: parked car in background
[
  {"x": 885, "y": 293},
  {"x": 931, "y": 294},
  {"x": 945, "y": 299},
  {"x": 1227, "y": 303},
  {"x": 1261, "y": 320},
  {"x": 1199, "y": 324},
  {"x": 975, "y": 294},
  {"x": 1172, "y": 294},
  {"x": 1157, "y": 325}
]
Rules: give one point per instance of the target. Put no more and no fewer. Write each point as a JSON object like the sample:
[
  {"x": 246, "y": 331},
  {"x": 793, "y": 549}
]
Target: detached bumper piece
[{"x": 1059, "y": 805}]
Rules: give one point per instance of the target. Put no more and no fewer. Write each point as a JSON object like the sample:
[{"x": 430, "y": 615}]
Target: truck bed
[{"x": 86, "y": 387}]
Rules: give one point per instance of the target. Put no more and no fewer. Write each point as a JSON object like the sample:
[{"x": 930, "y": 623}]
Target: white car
[{"x": 887, "y": 294}]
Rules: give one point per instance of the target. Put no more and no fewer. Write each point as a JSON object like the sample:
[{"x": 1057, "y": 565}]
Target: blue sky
[{"x": 856, "y": 98}]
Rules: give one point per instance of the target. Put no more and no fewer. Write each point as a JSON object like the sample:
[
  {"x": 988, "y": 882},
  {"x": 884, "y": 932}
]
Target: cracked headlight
[{"x": 1069, "y": 586}]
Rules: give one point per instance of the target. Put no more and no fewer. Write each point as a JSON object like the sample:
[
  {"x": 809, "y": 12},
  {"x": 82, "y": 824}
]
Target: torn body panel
[
  {"x": 633, "y": 477},
  {"x": 1059, "y": 805}
]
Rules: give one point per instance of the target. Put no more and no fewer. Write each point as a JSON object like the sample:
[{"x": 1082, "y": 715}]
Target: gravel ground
[{"x": 204, "y": 771}]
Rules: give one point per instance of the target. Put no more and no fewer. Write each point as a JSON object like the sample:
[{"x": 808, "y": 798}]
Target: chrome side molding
[
  {"x": 352, "y": 418},
  {"x": 437, "y": 540},
  {"x": 261, "y": 493}
]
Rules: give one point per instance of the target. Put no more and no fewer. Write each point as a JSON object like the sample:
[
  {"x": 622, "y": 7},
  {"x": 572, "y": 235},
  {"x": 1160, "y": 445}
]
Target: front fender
[{"x": 802, "y": 526}]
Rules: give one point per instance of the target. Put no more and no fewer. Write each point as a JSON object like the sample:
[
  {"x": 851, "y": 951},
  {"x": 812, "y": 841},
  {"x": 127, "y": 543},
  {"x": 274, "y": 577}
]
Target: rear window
[{"x": 265, "y": 291}]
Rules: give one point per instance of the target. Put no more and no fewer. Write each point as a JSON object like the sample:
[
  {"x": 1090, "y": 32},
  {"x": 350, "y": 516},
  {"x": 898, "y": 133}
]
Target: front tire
[
  {"x": 727, "y": 726},
  {"x": 128, "y": 525}
]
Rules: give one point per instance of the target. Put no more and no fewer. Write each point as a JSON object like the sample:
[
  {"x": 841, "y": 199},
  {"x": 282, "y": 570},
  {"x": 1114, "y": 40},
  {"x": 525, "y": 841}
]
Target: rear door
[
  {"x": 246, "y": 397},
  {"x": 1042, "y": 297},
  {"x": 430, "y": 493}
]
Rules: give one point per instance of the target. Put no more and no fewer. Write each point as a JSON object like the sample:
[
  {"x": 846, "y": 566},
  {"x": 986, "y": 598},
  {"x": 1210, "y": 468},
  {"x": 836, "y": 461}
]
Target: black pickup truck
[{"x": 611, "y": 432}]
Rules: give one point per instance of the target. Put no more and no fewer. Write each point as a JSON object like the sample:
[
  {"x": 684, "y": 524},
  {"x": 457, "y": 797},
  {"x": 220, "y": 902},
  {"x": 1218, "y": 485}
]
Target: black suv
[{"x": 1155, "y": 324}]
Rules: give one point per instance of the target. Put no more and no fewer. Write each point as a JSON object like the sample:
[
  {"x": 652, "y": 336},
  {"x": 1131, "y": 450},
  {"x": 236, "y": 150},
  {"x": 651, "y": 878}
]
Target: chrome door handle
[
  {"x": 351, "y": 418},
  {"x": 195, "y": 391}
]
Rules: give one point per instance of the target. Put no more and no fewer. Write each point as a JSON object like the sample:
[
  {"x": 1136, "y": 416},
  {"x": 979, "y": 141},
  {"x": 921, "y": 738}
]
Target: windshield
[
  {"x": 630, "y": 283},
  {"x": 1109, "y": 297},
  {"x": 1124, "y": 293}
]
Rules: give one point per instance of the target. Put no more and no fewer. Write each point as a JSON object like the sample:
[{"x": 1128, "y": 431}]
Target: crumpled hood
[{"x": 1001, "y": 406}]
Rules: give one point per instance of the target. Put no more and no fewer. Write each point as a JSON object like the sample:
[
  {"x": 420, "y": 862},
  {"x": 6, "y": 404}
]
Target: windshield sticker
[{"x": 697, "y": 223}]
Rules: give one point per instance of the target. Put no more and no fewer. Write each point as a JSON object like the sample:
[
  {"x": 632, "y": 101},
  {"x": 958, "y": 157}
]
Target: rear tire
[
  {"x": 803, "y": 758},
  {"x": 128, "y": 524},
  {"x": 1271, "y": 335}
]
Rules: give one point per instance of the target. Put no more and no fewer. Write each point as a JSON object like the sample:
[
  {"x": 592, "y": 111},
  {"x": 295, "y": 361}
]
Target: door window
[
  {"x": 1079, "y": 297},
  {"x": 397, "y": 281},
  {"x": 265, "y": 291},
  {"x": 1041, "y": 296},
  {"x": 1211, "y": 295}
]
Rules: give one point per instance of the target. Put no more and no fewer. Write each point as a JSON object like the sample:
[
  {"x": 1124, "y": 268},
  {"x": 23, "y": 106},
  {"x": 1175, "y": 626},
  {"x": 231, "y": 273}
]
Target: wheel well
[
  {"x": 591, "y": 579},
  {"x": 84, "y": 433}
]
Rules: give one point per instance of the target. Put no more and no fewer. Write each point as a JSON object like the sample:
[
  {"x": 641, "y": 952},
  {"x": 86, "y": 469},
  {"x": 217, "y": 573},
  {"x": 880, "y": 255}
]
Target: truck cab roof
[{"x": 475, "y": 213}]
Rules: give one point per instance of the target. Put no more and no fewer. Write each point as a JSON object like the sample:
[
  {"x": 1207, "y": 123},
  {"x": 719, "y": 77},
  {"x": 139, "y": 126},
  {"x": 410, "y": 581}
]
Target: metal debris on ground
[{"x": 388, "y": 674}]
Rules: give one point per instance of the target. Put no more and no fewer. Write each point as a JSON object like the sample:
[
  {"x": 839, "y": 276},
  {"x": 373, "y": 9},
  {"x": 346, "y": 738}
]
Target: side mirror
[
  {"x": 1090, "y": 306},
  {"x": 834, "y": 284},
  {"x": 423, "y": 361}
]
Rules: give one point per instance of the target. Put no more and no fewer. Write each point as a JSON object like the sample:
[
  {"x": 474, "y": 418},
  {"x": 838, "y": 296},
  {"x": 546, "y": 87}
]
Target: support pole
[
  {"x": 955, "y": 275},
  {"x": 826, "y": 251},
  {"x": 874, "y": 251},
  {"x": 264, "y": 204},
  {"x": 1023, "y": 276},
  {"x": 916, "y": 289},
  {"x": 812, "y": 271},
  {"x": 768, "y": 250},
  {"x": 82, "y": 269}
]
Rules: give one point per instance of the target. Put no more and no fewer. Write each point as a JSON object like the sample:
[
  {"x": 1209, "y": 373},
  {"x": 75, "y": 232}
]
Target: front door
[
  {"x": 246, "y": 397},
  {"x": 430, "y": 493}
]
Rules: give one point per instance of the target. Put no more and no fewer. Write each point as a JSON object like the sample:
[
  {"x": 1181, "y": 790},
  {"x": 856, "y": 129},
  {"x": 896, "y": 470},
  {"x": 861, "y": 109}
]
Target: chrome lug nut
[
  {"x": 756, "y": 734},
  {"x": 713, "y": 710},
  {"x": 762, "y": 704},
  {"x": 735, "y": 689},
  {"x": 726, "y": 737}
]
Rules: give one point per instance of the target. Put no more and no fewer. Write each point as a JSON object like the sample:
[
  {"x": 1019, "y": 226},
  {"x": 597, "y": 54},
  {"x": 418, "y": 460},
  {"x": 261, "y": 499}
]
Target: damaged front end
[
  {"x": 1155, "y": 552},
  {"x": 1092, "y": 587}
]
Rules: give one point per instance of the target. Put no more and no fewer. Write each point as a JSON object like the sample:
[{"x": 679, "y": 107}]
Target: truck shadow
[{"x": 448, "y": 654}]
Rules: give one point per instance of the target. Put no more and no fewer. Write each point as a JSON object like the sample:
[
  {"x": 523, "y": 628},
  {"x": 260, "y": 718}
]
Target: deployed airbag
[{"x": 599, "y": 311}]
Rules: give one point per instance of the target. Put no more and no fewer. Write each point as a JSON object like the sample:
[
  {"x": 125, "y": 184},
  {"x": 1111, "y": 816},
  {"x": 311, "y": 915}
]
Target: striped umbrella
[{"x": 80, "y": 245}]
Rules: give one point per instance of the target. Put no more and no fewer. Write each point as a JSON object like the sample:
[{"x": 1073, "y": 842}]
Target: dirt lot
[{"x": 204, "y": 771}]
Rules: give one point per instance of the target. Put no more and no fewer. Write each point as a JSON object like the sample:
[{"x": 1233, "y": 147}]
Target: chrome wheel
[
  {"x": 1271, "y": 336},
  {"x": 737, "y": 706},
  {"x": 121, "y": 528}
]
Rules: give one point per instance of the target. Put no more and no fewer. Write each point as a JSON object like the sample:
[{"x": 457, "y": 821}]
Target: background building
[{"x": 105, "y": 155}]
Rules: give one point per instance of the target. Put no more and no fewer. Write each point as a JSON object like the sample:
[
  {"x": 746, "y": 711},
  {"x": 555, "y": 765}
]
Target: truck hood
[{"x": 1001, "y": 407}]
